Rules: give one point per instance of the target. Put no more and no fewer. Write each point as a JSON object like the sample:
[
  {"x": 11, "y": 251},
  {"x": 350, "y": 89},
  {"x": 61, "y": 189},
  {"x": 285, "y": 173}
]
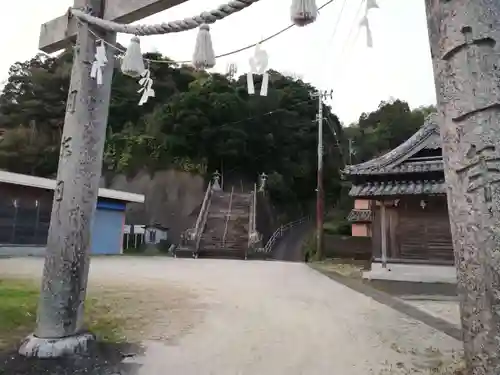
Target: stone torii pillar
[
  {"x": 465, "y": 45},
  {"x": 60, "y": 329}
]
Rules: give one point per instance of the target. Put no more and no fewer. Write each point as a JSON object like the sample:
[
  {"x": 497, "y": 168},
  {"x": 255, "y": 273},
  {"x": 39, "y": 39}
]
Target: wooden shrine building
[{"x": 400, "y": 202}]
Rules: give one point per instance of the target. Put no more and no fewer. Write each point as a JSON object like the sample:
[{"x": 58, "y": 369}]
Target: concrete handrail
[
  {"x": 254, "y": 223},
  {"x": 208, "y": 193},
  {"x": 278, "y": 233},
  {"x": 202, "y": 225},
  {"x": 228, "y": 215},
  {"x": 253, "y": 214}
]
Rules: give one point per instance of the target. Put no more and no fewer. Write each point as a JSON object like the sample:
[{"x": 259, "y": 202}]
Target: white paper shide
[
  {"x": 99, "y": 63},
  {"x": 146, "y": 83},
  {"x": 258, "y": 65}
]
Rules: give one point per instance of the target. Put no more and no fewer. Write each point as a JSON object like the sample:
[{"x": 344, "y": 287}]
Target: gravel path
[{"x": 259, "y": 318}]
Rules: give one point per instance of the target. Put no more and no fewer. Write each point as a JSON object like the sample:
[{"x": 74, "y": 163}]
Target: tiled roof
[
  {"x": 392, "y": 188},
  {"x": 418, "y": 166},
  {"x": 360, "y": 216},
  {"x": 396, "y": 161},
  {"x": 410, "y": 166}
]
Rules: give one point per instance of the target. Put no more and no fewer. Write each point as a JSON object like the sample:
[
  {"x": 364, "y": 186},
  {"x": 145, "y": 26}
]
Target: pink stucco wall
[
  {"x": 360, "y": 230},
  {"x": 362, "y": 204}
]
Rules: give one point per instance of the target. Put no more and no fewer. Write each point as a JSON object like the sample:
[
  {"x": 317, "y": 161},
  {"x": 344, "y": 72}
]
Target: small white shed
[{"x": 154, "y": 234}]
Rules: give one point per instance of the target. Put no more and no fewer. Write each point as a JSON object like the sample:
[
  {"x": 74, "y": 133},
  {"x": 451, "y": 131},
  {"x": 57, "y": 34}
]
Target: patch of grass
[
  {"x": 18, "y": 303},
  {"x": 352, "y": 270},
  {"x": 104, "y": 321},
  {"x": 18, "y": 300}
]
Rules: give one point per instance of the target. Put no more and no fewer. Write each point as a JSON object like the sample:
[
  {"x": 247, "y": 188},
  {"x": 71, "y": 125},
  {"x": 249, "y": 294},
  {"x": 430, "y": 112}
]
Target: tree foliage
[
  {"x": 384, "y": 129},
  {"x": 198, "y": 122}
]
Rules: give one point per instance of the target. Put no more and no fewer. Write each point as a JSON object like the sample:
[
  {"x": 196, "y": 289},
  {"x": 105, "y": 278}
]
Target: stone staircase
[{"x": 216, "y": 240}]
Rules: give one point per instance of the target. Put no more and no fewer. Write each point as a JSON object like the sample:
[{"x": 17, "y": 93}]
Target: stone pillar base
[{"x": 38, "y": 347}]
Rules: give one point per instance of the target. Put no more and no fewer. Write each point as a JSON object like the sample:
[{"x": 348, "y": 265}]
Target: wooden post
[
  {"x": 464, "y": 39},
  {"x": 383, "y": 234}
]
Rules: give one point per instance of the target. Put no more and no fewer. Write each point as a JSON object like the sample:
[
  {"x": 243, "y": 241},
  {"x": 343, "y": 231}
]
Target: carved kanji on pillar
[
  {"x": 464, "y": 37},
  {"x": 474, "y": 52},
  {"x": 483, "y": 171}
]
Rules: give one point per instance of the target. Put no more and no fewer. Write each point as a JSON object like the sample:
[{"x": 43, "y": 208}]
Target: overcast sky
[{"x": 399, "y": 64}]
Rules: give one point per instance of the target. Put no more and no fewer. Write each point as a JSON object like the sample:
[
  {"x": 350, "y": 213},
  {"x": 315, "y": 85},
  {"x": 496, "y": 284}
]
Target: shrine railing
[
  {"x": 252, "y": 225},
  {"x": 281, "y": 231},
  {"x": 204, "y": 207},
  {"x": 197, "y": 231},
  {"x": 228, "y": 216}
]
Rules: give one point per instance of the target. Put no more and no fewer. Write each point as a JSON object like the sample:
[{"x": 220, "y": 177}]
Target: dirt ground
[
  {"x": 152, "y": 310},
  {"x": 254, "y": 317}
]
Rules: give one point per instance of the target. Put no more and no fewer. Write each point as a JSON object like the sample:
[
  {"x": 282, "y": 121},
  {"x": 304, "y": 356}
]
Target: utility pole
[
  {"x": 464, "y": 40},
  {"x": 320, "y": 196},
  {"x": 59, "y": 330},
  {"x": 351, "y": 151}
]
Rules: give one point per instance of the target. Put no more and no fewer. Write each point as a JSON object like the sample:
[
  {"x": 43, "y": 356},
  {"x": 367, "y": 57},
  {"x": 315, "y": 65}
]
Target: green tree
[
  {"x": 196, "y": 122},
  {"x": 36, "y": 92},
  {"x": 29, "y": 151},
  {"x": 384, "y": 129}
]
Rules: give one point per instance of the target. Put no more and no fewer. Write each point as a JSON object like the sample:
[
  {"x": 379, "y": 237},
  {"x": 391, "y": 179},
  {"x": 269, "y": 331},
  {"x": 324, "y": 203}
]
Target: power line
[
  {"x": 355, "y": 23},
  {"x": 346, "y": 43},
  {"x": 121, "y": 50},
  {"x": 337, "y": 22},
  {"x": 332, "y": 36},
  {"x": 265, "y": 114},
  {"x": 335, "y": 135}
]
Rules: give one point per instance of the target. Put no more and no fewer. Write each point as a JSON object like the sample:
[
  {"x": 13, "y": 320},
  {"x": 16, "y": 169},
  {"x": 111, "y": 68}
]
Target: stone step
[
  {"x": 229, "y": 238},
  {"x": 227, "y": 197},
  {"x": 223, "y": 253},
  {"x": 223, "y": 214},
  {"x": 231, "y": 224},
  {"x": 220, "y": 246},
  {"x": 227, "y": 243},
  {"x": 236, "y": 218}
]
